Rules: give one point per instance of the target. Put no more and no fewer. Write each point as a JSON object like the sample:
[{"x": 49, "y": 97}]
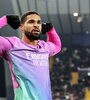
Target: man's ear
[{"x": 21, "y": 27}]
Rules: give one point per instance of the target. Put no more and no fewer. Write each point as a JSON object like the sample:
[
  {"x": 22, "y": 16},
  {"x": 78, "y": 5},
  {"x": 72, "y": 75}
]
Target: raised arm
[
  {"x": 5, "y": 45},
  {"x": 5, "y": 42},
  {"x": 53, "y": 39},
  {"x": 12, "y": 20},
  {"x": 3, "y": 21}
]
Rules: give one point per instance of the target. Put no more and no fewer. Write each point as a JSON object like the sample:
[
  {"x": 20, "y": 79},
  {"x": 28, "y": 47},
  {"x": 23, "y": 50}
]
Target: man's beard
[{"x": 31, "y": 36}]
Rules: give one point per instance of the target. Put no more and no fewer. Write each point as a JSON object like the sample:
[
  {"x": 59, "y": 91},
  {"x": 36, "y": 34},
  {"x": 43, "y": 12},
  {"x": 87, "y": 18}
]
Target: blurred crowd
[{"x": 70, "y": 76}]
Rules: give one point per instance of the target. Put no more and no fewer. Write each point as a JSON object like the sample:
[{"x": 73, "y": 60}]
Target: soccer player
[{"x": 28, "y": 58}]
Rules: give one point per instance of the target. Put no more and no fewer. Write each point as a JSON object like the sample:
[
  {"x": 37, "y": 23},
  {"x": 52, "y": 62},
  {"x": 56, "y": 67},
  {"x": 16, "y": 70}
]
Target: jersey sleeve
[
  {"x": 54, "y": 42},
  {"x": 6, "y": 43},
  {"x": 3, "y": 21}
]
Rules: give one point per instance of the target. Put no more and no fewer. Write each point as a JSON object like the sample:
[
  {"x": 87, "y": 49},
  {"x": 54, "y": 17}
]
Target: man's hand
[
  {"x": 46, "y": 27},
  {"x": 13, "y": 21}
]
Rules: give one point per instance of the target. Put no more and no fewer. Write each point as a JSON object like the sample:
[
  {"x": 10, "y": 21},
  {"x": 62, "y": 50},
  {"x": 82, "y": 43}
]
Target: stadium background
[{"x": 70, "y": 76}]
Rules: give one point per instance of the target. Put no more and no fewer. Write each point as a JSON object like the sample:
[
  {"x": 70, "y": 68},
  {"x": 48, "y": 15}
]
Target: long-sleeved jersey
[{"x": 29, "y": 65}]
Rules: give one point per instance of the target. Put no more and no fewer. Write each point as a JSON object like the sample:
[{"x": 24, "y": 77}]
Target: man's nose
[{"x": 36, "y": 24}]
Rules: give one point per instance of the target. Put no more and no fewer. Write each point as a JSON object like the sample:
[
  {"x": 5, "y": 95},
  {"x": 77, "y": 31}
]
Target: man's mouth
[{"x": 35, "y": 31}]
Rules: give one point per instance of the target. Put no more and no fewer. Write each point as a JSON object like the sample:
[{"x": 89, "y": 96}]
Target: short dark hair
[{"x": 24, "y": 16}]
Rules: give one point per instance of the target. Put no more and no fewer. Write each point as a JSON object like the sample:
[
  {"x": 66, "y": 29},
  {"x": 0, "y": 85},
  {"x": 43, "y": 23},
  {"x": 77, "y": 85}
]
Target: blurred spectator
[{"x": 68, "y": 61}]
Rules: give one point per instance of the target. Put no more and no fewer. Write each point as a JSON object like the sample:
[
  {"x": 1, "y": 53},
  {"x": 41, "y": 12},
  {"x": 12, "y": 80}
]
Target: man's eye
[
  {"x": 31, "y": 21},
  {"x": 39, "y": 22}
]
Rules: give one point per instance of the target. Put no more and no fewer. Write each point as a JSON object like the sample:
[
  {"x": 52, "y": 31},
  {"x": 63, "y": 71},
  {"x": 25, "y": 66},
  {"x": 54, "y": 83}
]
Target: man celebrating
[{"x": 28, "y": 58}]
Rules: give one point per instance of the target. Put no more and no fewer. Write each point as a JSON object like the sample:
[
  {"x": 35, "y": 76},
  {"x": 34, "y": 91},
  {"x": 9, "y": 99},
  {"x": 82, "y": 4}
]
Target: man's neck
[{"x": 28, "y": 41}]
